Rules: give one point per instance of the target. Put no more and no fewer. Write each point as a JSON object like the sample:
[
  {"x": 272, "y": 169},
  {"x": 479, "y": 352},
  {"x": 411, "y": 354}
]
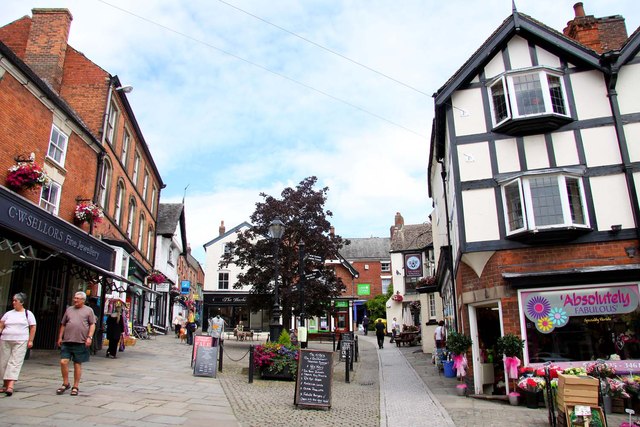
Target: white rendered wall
[
  {"x": 632, "y": 134},
  {"x": 628, "y": 89},
  {"x": 468, "y": 114},
  {"x": 611, "y": 201},
  {"x": 565, "y": 149},
  {"x": 214, "y": 253},
  {"x": 590, "y": 94},
  {"x": 480, "y": 219},
  {"x": 601, "y": 146},
  {"x": 519, "y": 55},
  {"x": 507, "y": 154},
  {"x": 535, "y": 150},
  {"x": 474, "y": 161}
]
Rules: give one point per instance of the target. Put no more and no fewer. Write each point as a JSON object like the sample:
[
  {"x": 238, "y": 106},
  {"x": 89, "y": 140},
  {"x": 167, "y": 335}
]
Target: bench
[{"x": 407, "y": 339}]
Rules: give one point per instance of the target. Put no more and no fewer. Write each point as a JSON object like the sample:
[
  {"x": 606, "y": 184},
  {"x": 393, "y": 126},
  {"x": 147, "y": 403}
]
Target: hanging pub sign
[
  {"x": 413, "y": 265},
  {"x": 549, "y": 310}
]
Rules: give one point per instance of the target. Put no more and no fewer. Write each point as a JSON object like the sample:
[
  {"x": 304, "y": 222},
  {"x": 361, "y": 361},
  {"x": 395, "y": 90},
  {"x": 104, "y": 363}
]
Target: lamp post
[{"x": 276, "y": 230}]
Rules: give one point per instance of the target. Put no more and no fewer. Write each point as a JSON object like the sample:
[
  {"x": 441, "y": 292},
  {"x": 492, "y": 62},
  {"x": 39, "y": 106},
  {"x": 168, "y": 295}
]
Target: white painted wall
[
  {"x": 474, "y": 161},
  {"x": 565, "y": 149},
  {"x": 519, "y": 55},
  {"x": 611, "y": 201},
  {"x": 468, "y": 114},
  {"x": 628, "y": 89},
  {"x": 590, "y": 94},
  {"x": 214, "y": 253},
  {"x": 480, "y": 218},
  {"x": 535, "y": 150},
  {"x": 507, "y": 154},
  {"x": 632, "y": 133},
  {"x": 601, "y": 146}
]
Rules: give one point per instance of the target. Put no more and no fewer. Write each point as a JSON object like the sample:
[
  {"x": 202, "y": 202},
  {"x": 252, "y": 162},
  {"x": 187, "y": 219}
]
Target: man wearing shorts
[{"x": 74, "y": 340}]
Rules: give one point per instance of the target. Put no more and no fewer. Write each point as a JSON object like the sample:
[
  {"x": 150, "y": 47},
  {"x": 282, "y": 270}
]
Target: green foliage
[
  {"x": 510, "y": 345},
  {"x": 302, "y": 211},
  {"x": 284, "y": 338},
  {"x": 377, "y": 308},
  {"x": 458, "y": 343}
]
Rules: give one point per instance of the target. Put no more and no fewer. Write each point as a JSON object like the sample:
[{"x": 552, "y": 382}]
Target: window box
[{"x": 528, "y": 101}]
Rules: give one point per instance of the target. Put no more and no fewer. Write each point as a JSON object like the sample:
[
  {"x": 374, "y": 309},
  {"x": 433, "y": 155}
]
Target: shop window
[
  {"x": 583, "y": 324},
  {"x": 57, "y": 150},
  {"x": 524, "y": 101},
  {"x": 50, "y": 197},
  {"x": 223, "y": 280},
  {"x": 541, "y": 202}
]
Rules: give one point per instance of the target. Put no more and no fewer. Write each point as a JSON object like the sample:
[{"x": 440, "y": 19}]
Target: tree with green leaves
[{"x": 301, "y": 209}]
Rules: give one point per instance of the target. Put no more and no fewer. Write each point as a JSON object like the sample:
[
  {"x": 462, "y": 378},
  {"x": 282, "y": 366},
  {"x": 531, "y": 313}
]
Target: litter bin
[{"x": 449, "y": 372}]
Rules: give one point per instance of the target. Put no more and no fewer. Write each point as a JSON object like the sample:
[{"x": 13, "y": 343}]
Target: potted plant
[
  {"x": 87, "y": 211},
  {"x": 277, "y": 360},
  {"x": 510, "y": 346},
  {"x": 26, "y": 174},
  {"x": 458, "y": 344}
]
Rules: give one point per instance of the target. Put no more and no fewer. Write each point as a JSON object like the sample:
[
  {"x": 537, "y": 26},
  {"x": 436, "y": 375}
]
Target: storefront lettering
[
  {"x": 597, "y": 298},
  {"x": 597, "y": 319},
  {"x": 234, "y": 299},
  {"x": 35, "y": 223}
]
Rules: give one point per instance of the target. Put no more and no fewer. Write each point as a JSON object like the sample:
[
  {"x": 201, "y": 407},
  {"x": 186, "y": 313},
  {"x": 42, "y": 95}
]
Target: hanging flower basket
[
  {"x": 88, "y": 212},
  {"x": 156, "y": 277},
  {"x": 26, "y": 175},
  {"x": 397, "y": 297}
]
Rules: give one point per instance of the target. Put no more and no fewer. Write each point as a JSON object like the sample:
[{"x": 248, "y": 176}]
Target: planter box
[{"x": 270, "y": 374}]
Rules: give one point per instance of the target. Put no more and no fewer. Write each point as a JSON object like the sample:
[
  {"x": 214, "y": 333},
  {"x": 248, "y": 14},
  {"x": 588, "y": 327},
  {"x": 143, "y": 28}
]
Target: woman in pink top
[{"x": 18, "y": 327}]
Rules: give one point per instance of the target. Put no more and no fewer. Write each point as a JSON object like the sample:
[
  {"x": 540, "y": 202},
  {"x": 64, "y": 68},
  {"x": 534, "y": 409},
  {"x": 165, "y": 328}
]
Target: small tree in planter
[
  {"x": 510, "y": 346},
  {"x": 458, "y": 344}
]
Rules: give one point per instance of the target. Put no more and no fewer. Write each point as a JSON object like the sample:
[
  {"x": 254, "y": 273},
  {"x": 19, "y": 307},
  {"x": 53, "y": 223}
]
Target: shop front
[
  {"x": 575, "y": 324},
  {"x": 48, "y": 259},
  {"x": 233, "y": 308}
]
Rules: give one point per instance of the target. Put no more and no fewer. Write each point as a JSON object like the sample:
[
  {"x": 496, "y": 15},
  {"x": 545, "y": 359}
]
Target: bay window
[{"x": 546, "y": 201}]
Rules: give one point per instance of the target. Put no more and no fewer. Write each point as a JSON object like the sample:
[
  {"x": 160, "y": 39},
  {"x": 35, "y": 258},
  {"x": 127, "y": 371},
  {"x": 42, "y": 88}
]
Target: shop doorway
[{"x": 485, "y": 321}]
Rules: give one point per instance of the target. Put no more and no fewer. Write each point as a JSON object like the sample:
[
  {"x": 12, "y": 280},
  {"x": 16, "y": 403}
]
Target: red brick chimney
[
  {"x": 222, "y": 228},
  {"x": 398, "y": 224},
  {"x": 47, "y": 44},
  {"x": 600, "y": 34}
]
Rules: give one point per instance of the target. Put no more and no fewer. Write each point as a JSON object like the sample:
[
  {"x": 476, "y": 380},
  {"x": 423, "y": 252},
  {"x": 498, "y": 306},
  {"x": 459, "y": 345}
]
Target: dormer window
[{"x": 531, "y": 101}]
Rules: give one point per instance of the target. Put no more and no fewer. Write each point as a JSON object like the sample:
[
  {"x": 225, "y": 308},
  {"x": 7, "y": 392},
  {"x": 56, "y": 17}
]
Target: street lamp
[{"x": 276, "y": 230}]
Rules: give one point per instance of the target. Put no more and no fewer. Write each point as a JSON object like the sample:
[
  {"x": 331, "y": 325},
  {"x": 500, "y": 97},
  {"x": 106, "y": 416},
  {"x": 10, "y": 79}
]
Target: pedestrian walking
[
  {"x": 115, "y": 328},
  {"x": 395, "y": 328},
  {"x": 18, "y": 328},
  {"x": 74, "y": 339},
  {"x": 191, "y": 327},
  {"x": 365, "y": 324},
  {"x": 178, "y": 323},
  {"x": 439, "y": 335},
  {"x": 380, "y": 333}
]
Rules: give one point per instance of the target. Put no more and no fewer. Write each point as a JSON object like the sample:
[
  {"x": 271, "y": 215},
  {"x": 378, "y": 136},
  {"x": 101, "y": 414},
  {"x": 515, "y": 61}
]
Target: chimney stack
[
  {"x": 221, "y": 229},
  {"x": 398, "y": 224},
  {"x": 47, "y": 44},
  {"x": 600, "y": 34}
]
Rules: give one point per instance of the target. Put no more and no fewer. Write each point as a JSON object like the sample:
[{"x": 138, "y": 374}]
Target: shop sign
[
  {"x": 364, "y": 289},
  {"x": 162, "y": 287},
  {"x": 185, "y": 287},
  {"x": 342, "y": 304},
  {"x": 552, "y": 309},
  {"x": 413, "y": 265},
  {"x": 42, "y": 227}
]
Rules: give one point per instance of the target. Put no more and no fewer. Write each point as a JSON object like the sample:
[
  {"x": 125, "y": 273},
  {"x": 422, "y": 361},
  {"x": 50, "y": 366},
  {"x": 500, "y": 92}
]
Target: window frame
[
  {"x": 112, "y": 123},
  {"x": 131, "y": 218},
  {"x": 150, "y": 240},
  {"x": 45, "y": 203},
  {"x": 136, "y": 168},
  {"x": 105, "y": 184},
  {"x": 145, "y": 184},
  {"x": 126, "y": 142},
  {"x": 141, "y": 228},
  {"x": 385, "y": 266},
  {"x": 511, "y": 96},
  {"x": 221, "y": 280},
  {"x": 55, "y": 146},
  {"x": 528, "y": 205},
  {"x": 119, "y": 201}
]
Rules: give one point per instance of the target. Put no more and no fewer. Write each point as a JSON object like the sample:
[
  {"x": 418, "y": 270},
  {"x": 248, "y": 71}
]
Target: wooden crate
[
  {"x": 577, "y": 390},
  {"x": 567, "y": 416}
]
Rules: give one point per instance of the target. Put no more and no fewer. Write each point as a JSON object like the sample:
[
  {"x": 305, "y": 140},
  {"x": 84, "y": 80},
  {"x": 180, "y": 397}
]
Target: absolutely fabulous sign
[{"x": 549, "y": 310}]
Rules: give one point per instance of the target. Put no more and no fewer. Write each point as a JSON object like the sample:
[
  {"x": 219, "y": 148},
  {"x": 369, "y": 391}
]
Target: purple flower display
[{"x": 538, "y": 307}]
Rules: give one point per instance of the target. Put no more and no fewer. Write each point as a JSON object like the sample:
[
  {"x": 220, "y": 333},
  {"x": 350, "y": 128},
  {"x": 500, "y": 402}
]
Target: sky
[{"x": 241, "y": 97}]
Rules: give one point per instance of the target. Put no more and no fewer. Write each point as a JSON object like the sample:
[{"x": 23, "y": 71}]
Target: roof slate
[
  {"x": 366, "y": 248},
  {"x": 411, "y": 236},
  {"x": 168, "y": 218}
]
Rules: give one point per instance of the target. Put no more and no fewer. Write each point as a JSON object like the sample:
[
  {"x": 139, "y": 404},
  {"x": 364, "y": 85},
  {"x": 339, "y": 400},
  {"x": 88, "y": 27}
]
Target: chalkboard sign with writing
[
  {"x": 344, "y": 347},
  {"x": 206, "y": 362},
  {"x": 313, "y": 383}
]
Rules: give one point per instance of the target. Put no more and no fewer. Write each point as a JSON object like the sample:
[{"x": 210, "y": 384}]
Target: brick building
[
  {"x": 74, "y": 116},
  {"x": 532, "y": 170}
]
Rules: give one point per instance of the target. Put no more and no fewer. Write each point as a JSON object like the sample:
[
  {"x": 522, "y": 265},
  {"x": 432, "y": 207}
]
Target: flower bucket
[
  {"x": 449, "y": 372},
  {"x": 514, "y": 399},
  {"x": 531, "y": 399},
  {"x": 608, "y": 404},
  {"x": 461, "y": 389}
]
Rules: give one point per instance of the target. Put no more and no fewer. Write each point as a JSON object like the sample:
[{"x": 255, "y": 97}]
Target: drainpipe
[
  {"x": 612, "y": 94},
  {"x": 443, "y": 174}
]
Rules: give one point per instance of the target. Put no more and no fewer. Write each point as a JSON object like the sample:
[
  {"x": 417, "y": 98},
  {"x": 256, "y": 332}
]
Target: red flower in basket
[
  {"x": 156, "y": 277},
  {"x": 88, "y": 212},
  {"x": 397, "y": 297},
  {"x": 27, "y": 175}
]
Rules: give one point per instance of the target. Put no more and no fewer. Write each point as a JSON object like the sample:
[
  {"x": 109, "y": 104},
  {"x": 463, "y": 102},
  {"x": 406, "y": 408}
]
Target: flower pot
[
  {"x": 514, "y": 399},
  {"x": 449, "y": 372}
]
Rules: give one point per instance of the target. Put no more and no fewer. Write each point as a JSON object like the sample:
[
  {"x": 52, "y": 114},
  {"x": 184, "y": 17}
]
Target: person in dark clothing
[
  {"x": 115, "y": 328},
  {"x": 380, "y": 333},
  {"x": 365, "y": 324}
]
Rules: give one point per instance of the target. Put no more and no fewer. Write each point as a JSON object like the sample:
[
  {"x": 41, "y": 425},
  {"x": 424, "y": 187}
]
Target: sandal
[
  {"x": 74, "y": 391},
  {"x": 63, "y": 388},
  {"x": 8, "y": 391}
]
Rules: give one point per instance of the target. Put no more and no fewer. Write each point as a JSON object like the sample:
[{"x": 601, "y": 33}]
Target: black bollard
[
  {"x": 357, "y": 349},
  {"x": 351, "y": 351},
  {"x": 333, "y": 337},
  {"x": 221, "y": 345},
  {"x": 346, "y": 364},
  {"x": 251, "y": 364}
]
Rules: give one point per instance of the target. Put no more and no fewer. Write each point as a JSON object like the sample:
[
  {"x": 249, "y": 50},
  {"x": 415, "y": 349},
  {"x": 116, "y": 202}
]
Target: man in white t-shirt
[{"x": 439, "y": 335}]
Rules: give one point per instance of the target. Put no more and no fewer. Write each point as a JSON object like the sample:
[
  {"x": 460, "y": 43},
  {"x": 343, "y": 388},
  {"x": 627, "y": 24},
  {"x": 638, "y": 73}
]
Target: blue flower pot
[{"x": 449, "y": 372}]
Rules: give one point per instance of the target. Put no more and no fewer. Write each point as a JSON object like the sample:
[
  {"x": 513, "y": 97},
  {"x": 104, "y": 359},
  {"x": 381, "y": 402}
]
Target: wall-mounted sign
[
  {"x": 413, "y": 265},
  {"x": 553, "y": 309},
  {"x": 162, "y": 287},
  {"x": 341, "y": 304},
  {"x": 185, "y": 287},
  {"x": 364, "y": 289}
]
